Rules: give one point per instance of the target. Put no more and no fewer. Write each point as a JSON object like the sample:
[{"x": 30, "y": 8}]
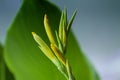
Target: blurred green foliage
[{"x": 5, "y": 74}]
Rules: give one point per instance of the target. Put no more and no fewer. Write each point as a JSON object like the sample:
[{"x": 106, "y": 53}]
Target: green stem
[{"x": 69, "y": 71}]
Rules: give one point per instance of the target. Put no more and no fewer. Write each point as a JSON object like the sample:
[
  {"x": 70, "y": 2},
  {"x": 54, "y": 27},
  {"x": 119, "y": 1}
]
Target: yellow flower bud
[
  {"x": 45, "y": 49},
  {"x": 58, "y": 54},
  {"x": 48, "y": 29}
]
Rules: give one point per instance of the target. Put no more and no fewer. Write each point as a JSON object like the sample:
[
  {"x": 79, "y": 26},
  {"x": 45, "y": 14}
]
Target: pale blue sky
[{"x": 96, "y": 26}]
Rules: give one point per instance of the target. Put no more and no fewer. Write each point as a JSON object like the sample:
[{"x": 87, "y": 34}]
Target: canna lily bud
[
  {"x": 45, "y": 49},
  {"x": 48, "y": 30},
  {"x": 58, "y": 54}
]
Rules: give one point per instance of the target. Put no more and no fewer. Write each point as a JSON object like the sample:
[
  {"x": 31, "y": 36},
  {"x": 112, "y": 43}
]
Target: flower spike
[{"x": 56, "y": 53}]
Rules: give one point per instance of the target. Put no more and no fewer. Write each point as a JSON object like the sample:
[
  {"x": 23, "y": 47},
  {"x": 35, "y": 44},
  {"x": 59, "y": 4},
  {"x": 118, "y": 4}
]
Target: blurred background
[{"x": 96, "y": 26}]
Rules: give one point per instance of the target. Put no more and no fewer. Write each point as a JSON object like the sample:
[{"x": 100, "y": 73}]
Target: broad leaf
[{"x": 22, "y": 54}]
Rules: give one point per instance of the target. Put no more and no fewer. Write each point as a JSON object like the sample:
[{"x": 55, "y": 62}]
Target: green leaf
[
  {"x": 1, "y": 51},
  {"x": 1, "y": 62},
  {"x": 22, "y": 54},
  {"x": 82, "y": 69},
  {"x": 5, "y": 74}
]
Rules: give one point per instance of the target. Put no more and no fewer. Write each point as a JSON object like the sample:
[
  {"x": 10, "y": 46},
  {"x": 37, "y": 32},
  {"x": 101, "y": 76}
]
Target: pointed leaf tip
[{"x": 71, "y": 21}]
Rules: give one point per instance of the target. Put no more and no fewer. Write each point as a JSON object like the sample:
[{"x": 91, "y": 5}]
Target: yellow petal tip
[
  {"x": 33, "y": 33},
  {"x": 45, "y": 16}
]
